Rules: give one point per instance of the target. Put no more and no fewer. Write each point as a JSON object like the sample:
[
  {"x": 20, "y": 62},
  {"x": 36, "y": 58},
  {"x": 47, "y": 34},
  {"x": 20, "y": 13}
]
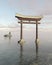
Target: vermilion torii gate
[{"x": 23, "y": 20}]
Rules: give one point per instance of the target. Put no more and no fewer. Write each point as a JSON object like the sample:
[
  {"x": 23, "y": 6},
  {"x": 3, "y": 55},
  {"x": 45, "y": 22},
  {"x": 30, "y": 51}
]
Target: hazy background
[
  {"x": 10, "y": 53},
  {"x": 9, "y": 8}
]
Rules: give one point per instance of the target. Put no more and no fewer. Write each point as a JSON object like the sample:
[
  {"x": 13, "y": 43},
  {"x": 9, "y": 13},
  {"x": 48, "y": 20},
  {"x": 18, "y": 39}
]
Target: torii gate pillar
[{"x": 21, "y": 32}]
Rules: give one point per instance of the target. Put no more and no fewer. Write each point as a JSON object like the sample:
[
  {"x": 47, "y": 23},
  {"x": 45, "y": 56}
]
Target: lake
[{"x": 12, "y": 54}]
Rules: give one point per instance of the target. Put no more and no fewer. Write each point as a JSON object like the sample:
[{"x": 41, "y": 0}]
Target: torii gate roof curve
[{"x": 28, "y": 18}]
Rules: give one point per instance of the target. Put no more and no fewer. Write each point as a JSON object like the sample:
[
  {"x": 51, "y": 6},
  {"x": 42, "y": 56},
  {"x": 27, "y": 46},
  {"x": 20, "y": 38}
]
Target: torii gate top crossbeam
[{"x": 28, "y": 18}]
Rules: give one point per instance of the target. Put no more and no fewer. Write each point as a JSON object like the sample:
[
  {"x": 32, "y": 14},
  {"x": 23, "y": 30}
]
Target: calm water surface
[{"x": 12, "y": 54}]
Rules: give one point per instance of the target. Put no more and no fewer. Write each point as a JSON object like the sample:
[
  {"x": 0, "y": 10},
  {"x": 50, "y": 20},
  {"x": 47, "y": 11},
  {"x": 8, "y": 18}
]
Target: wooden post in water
[
  {"x": 37, "y": 41},
  {"x": 36, "y": 31},
  {"x": 21, "y": 41},
  {"x": 21, "y": 31}
]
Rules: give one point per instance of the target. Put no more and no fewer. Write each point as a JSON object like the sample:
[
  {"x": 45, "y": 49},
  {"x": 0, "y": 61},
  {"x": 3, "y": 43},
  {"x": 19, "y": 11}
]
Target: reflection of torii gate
[{"x": 29, "y": 18}]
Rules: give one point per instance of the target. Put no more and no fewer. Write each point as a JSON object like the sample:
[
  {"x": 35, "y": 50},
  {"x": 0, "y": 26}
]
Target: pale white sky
[{"x": 8, "y": 9}]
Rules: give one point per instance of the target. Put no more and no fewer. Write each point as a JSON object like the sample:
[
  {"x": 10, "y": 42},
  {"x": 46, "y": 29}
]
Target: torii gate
[{"x": 23, "y": 18}]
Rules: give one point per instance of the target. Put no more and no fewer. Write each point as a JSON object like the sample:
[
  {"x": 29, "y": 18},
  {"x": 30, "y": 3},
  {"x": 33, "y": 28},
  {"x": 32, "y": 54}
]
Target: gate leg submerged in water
[{"x": 21, "y": 34}]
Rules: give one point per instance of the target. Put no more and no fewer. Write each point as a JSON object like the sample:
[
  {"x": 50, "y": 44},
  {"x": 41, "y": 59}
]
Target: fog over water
[{"x": 11, "y": 53}]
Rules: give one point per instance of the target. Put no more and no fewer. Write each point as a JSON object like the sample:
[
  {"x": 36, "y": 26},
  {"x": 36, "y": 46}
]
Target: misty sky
[{"x": 8, "y": 9}]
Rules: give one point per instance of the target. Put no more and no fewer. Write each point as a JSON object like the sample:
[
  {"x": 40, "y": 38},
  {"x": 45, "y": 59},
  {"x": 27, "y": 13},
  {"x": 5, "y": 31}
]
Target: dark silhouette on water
[{"x": 8, "y": 35}]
